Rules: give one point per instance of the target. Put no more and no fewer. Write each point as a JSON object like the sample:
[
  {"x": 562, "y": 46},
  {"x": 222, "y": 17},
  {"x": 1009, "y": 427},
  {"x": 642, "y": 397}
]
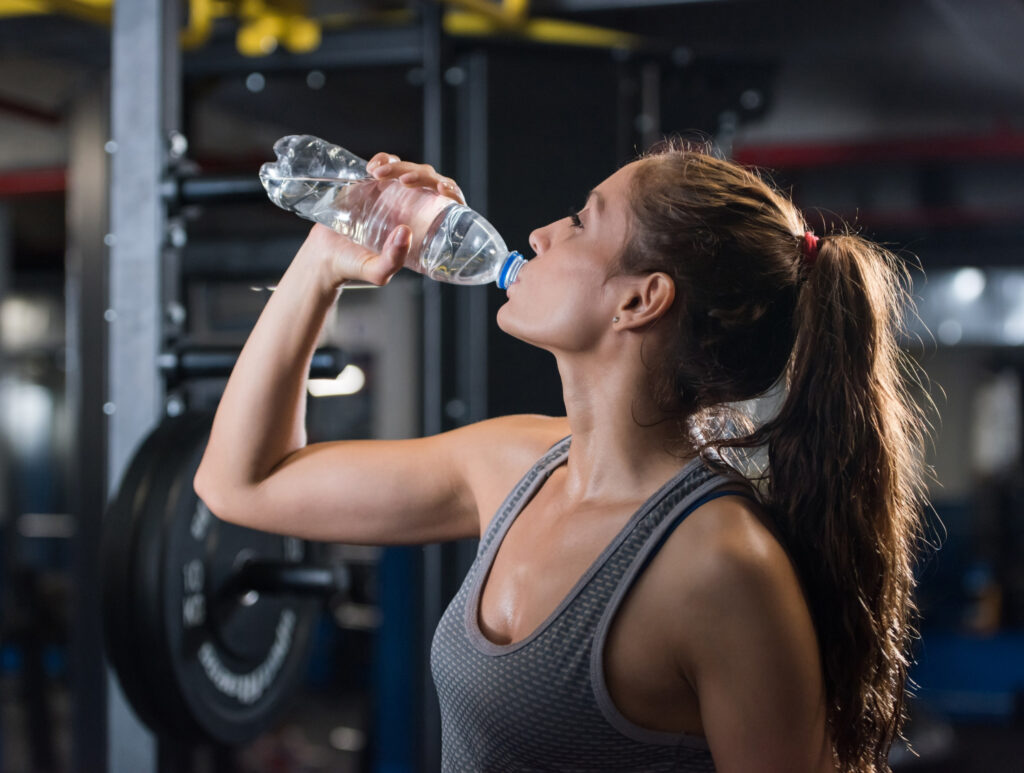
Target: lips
[{"x": 519, "y": 276}]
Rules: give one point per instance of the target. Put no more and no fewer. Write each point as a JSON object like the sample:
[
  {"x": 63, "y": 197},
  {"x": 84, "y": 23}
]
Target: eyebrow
[{"x": 598, "y": 199}]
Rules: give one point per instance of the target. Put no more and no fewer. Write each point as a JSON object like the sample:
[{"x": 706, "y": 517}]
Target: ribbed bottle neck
[{"x": 510, "y": 270}]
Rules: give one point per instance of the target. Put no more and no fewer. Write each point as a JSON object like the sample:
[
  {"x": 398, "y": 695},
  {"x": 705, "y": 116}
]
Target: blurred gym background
[{"x": 904, "y": 118}]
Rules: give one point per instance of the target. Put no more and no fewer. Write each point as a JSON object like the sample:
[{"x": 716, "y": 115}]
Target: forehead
[
  {"x": 611, "y": 215},
  {"x": 610, "y": 201},
  {"x": 618, "y": 183}
]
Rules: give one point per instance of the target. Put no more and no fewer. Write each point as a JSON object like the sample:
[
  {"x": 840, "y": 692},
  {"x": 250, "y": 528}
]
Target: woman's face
[{"x": 564, "y": 298}]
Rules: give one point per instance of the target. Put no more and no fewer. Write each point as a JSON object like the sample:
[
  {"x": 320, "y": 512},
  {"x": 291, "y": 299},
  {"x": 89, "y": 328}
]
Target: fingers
[
  {"x": 447, "y": 187},
  {"x": 381, "y": 158},
  {"x": 426, "y": 177},
  {"x": 389, "y": 167},
  {"x": 384, "y": 166}
]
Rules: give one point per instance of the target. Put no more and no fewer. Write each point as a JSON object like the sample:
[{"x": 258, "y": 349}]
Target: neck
[{"x": 623, "y": 446}]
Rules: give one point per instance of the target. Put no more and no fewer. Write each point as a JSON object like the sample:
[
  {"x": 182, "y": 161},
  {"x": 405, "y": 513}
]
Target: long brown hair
[{"x": 844, "y": 481}]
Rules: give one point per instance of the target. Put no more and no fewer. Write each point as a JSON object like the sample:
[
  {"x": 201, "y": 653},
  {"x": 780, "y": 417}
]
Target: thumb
[{"x": 393, "y": 255}]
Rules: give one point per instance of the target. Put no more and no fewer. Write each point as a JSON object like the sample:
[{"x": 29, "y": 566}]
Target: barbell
[{"x": 207, "y": 624}]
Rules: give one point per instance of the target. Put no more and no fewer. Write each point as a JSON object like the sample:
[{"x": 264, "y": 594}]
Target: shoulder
[
  {"x": 533, "y": 424},
  {"x": 736, "y": 544},
  {"x": 731, "y": 583},
  {"x": 731, "y": 541},
  {"x": 513, "y": 439},
  {"x": 743, "y": 638},
  {"x": 496, "y": 453}
]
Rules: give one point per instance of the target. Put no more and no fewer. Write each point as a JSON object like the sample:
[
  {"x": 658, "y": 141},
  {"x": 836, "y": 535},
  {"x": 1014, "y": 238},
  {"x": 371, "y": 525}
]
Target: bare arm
[
  {"x": 257, "y": 469},
  {"x": 386, "y": 492}
]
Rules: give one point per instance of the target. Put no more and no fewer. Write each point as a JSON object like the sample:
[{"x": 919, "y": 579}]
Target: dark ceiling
[
  {"x": 934, "y": 65},
  {"x": 951, "y": 55}
]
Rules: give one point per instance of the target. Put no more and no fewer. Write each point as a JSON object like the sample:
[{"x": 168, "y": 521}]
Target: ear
[{"x": 649, "y": 299}]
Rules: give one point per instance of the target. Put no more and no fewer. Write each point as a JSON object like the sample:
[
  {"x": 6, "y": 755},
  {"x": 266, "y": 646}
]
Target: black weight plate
[
  {"x": 237, "y": 672},
  {"x": 213, "y": 679},
  {"x": 147, "y": 588},
  {"x": 117, "y": 561}
]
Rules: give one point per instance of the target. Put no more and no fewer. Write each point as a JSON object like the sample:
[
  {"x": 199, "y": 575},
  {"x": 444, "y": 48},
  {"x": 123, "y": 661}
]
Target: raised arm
[{"x": 257, "y": 469}]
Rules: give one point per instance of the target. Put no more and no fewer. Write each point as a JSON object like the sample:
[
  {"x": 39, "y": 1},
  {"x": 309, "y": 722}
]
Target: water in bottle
[{"x": 327, "y": 184}]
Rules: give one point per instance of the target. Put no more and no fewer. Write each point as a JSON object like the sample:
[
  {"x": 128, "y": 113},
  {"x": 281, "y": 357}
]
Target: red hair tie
[{"x": 809, "y": 248}]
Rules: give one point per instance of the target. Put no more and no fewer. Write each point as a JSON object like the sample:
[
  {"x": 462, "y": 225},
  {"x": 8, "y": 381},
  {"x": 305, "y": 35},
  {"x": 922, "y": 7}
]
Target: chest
[
  {"x": 540, "y": 561},
  {"x": 545, "y": 555}
]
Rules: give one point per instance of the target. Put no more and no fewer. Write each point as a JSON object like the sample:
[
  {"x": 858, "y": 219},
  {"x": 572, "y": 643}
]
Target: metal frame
[
  {"x": 85, "y": 303},
  {"x": 142, "y": 272},
  {"x": 144, "y": 55}
]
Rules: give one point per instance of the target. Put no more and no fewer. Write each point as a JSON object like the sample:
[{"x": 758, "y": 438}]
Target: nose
[{"x": 539, "y": 240}]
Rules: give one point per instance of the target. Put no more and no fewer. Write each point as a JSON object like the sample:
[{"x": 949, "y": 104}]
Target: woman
[{"x": 636, "y": 604}]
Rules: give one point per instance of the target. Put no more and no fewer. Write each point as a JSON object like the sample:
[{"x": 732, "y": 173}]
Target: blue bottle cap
[{"x": 510, "y": 270}]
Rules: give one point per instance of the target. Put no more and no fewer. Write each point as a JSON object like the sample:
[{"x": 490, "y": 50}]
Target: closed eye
[{"x": 574, "y": 219}]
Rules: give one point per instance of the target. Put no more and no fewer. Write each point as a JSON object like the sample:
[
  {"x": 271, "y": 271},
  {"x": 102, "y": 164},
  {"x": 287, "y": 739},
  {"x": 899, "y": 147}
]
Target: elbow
[
  {"x": 216, "y": 498},
  {"x": 201, "y": 486},
  {"x": 207, "y": 491}
]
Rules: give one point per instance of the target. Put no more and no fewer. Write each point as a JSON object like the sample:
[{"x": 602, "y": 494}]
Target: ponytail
[
  {"x": 758, "y": 302},
  {"x": 846, "y": 486}
]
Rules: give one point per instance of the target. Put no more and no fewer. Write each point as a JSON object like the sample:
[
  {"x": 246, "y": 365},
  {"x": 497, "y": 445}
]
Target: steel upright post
[
  {"x": 145, "y": 86},
  {"x": 86, "y": 300}
]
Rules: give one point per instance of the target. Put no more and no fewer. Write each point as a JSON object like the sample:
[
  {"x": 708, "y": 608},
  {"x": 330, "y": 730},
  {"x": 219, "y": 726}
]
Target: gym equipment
[
  {"x": 188, "y": 189},
  {"x": 212, "y": 362},
  {"x": 207, "y": 624}
]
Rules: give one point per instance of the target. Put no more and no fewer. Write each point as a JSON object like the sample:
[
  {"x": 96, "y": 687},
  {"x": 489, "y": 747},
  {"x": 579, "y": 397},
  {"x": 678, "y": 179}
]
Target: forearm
[{"x": 261, "y": 416}]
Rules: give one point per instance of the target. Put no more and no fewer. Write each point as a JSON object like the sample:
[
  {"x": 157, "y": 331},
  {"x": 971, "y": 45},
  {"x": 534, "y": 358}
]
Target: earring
[{"x": 615, "y": 318}]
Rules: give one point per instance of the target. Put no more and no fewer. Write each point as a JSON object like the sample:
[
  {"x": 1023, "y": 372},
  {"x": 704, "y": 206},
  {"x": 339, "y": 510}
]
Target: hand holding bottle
[
  {"x": 344, "y": 261},
  {"x": 340, "y": 261}
]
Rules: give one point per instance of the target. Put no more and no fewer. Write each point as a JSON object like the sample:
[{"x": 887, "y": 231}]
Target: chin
[
  {"x": 537, "y": 338},
  {"x": 508, "y": 324},
  {"x": 505, "y": 325}
]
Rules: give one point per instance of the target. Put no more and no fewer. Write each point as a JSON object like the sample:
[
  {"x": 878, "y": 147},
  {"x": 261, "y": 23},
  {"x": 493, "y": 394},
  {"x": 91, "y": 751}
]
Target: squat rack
[{"x": 121, "y": 312}]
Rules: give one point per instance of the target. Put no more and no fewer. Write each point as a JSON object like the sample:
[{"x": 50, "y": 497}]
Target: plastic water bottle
[{"x": 329, "y": 185}]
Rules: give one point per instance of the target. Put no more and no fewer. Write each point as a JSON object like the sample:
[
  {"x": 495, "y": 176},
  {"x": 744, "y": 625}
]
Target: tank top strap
[
  {"x": 698, "y": 487},
  {"x": 524, "y": 491}
]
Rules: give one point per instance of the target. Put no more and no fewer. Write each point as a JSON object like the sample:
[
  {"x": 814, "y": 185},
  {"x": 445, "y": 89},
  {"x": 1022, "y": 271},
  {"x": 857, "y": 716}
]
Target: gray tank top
[{"x": 541, "y": 704}]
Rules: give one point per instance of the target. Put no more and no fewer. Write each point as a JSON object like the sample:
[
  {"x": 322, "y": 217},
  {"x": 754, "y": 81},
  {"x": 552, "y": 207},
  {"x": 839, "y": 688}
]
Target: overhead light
[
  {"x": 968, "y": 284},
  {"x": 25, "y": 323},
  {"x": 1013, "y": 328}
]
